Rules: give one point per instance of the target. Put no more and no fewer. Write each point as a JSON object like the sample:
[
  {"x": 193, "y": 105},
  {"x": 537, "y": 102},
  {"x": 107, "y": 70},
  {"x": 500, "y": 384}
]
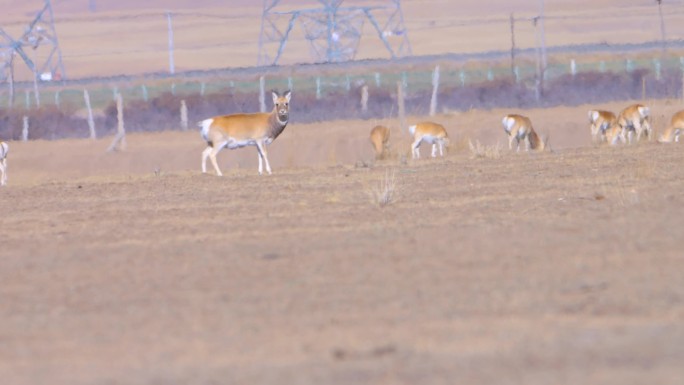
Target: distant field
[{"x": 131, "y": 37}]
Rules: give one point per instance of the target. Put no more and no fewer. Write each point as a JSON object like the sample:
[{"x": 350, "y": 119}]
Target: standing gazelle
[
  {"x": 379, "y": 138},
  {"x": 519, "y": 128},
  {"x": 674, "y": 129},
  {"x": 602, "y": 123},
  {"x": 634, "y": 120},
  {"x": 428, "y": 132},
  {"x": 240, "y": 130},
  {"x": 4, "y": 149}
]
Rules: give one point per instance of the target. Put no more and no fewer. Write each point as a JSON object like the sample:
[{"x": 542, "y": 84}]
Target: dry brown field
[{"x": 132, "y": 267}]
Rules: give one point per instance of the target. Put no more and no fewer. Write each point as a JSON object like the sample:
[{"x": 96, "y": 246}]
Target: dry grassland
[{"x": 134, "y": 268}]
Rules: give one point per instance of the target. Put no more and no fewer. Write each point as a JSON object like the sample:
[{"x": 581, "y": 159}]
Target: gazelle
[
  {"x": 428, "y": 132},
  {"x": 674, "y": 129},
  {"x": 634, "y": 119},
  {"x": 379, "y": 138},
  {"x": 4, "y": 149},
  {"x": 601, "y": 121},
  {"x": 240, "y": 130},
  {"x": 519, "y": 128}
]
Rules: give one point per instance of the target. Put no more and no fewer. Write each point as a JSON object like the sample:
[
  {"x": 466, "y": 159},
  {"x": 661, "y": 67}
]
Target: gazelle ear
[
  {"x": 287, "y": 95},
  {"x": 275, "y": 96}
]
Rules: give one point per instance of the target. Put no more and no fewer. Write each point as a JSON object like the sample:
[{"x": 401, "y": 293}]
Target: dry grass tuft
[
  {"x": 481, "y": 151},
  {"x": 385, "y": 193}
]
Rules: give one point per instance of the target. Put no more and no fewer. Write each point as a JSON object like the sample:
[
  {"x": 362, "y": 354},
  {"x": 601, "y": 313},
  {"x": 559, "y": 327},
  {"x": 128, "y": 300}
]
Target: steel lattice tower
[
  {"x": 332, "y": 29},
  {"x": 40, "y": 35}
]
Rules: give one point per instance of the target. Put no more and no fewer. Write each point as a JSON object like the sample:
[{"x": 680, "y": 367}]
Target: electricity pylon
[
  {"x": 332, "y": 29},
  {"x": 39, "y": 35}
]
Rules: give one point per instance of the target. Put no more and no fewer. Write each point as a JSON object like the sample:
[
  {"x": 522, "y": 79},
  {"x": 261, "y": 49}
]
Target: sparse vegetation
[
  {"x": 385, "y": 192},
  {"x": 478, "y": 150}
]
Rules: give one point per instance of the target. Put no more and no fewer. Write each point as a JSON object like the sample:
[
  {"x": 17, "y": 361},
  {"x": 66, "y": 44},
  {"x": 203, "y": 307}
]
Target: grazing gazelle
[
  {"x": 634, "y": 119},
  {"x": 4, "y": 149},
  {"x": 240, "y": 130},
  {"x": 601, "y": 122},
  {"x": 431, "y": 133},
  {"x": 674, "y": 129},
  {"x": 379, "y": 138},
  {"x": 519, "y": 128}
]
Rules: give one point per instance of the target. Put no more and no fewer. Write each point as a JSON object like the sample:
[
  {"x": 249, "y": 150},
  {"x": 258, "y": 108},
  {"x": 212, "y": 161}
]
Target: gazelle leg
[
  {"x": 3, "y": 170},
  {"x": 638, "y": 130},
  {"x": 434, "y": 149},
  {"x": 261, "y": 162},
  {"x": 510, "y": 142},
  {"x": 441, "y": 148},
  {"x": 212, "y": 155},
  {"x": 263, "y": 154},
  {"x": 415, "y": 147},
  {"x": 205, "y": 155}
]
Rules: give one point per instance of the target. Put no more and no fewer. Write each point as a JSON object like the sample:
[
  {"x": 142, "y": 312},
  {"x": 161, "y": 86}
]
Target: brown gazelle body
[
  {"x": 4, "y": 149},
  {"x": 519, "y": 128},
  {"x": 603, "y": 124},
  {"x": 675, "y": 128},
  {"x": 431, "y": 133},
  {"x": 379, "y": 138},
  {"x": 239, "y": 130},
  {"x": 634, "y": 120}
]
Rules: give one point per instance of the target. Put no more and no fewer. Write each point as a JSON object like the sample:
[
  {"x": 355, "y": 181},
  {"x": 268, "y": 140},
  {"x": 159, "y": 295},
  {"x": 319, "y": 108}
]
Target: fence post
[
  {"x": 629, "y": 65},
  {"x": 462, "y": 75},
  {"x": 347, "y": 83},
  {"x": 202, "y": 88},
  {"x": 262, "y": 94},
  {"x": 115, "y": 92},
  {"x": 318, "y": 88},
  {"x": 573, "y": 68},
  {"x": 57, "y": 101},
  {"x": 184, "y": 115},
  {"x": 289, "y": 83},
  {"x": 516, "y": 72},
  {"x": 35, "y": 90},
  {"x": 401, "y": 106},
  {"x": 377, "y": 79},
  {"x": 490, "y": 75},
  {"x": 656, "y": 64},
  {"x": 91, "y": 121},
  {"x": 602, "y": 66},
  {"x": 435, "y": 87},
  {"x": 25, "y": 129},
  {"x": 364, "y": 98},
  {"x": 27, "y": 100},
  {"x": 404, "y": 80},
  {"x": 144, "y": 91},
  {"x": 120, "y": 138},
  {"x": 643, "y": 88}
]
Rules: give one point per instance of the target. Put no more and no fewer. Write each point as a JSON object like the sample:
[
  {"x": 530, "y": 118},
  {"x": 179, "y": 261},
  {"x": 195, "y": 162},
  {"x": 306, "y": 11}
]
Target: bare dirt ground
[{"x": 560, "y": 267}]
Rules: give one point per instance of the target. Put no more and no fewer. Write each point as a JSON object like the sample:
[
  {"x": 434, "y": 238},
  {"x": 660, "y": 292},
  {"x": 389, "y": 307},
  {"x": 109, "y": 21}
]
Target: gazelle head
[{"x": 282, "y": 105}]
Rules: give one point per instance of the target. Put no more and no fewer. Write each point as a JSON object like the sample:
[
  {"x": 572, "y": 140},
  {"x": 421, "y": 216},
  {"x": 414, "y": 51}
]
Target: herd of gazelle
[
  {"x": 606, "y": 127},
  {"x": 261, "y": 129}
]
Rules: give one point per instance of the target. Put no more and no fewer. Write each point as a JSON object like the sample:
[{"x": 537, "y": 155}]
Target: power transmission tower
[
  {"x": 333, "y": 30},
  {"x": 40, "y": 35}
]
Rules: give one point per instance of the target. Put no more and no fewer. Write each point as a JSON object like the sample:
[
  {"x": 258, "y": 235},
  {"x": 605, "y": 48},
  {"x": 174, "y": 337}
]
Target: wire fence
[{"x": 332, "y": 81}]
